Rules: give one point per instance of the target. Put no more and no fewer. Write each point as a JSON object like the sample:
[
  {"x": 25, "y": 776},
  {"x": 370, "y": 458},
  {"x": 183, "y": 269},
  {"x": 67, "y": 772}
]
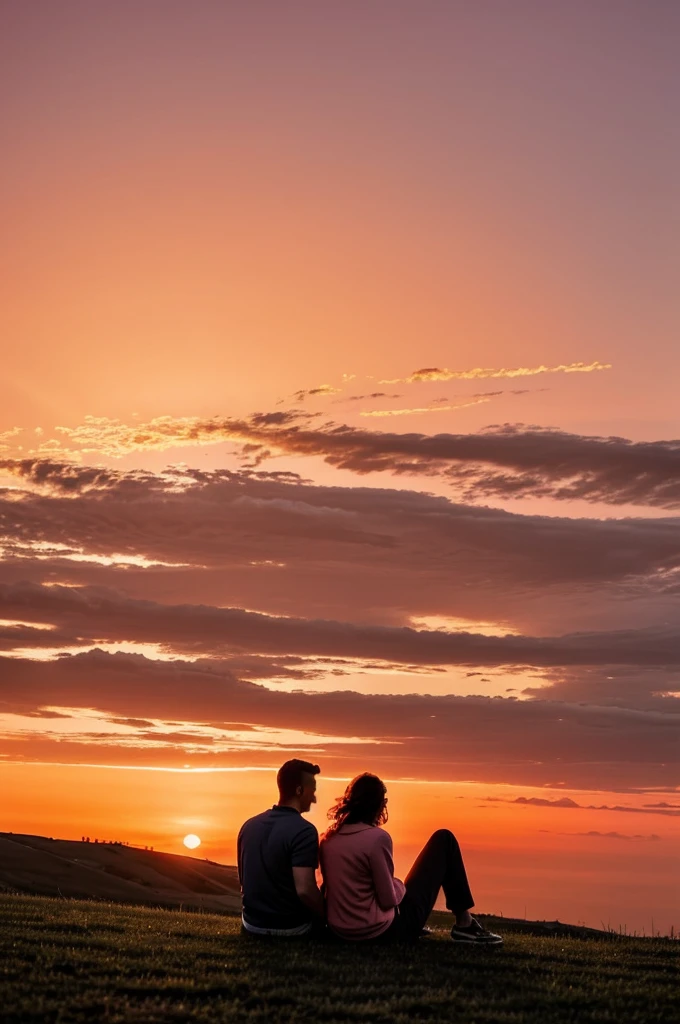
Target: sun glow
[
  {"x": 191, "y": 841},
  {"x": 454, "y": 624}
]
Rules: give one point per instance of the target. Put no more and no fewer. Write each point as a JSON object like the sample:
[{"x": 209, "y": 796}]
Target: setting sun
[{"x": 191, "y": 842}]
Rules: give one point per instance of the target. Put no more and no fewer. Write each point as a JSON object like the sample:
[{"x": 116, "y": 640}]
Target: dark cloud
[
  {"x": 373, "y": 394},
  {"x": 19, "y": 636},
  {"x": 279, "y": 419},
  {"x": 59, "y": 476},
  {"x": 537, "y": 801},
  {"x": 42, "y": 713},
  {"x": 95, "y": 614},
  {"x": 546, "y": 743},
  {"x": 612, "y": 835},
  {"x": 72, "y": 478},
  {"x": 569, "y": 804},
  {"x": 625, "y": 686},
  {"x": 181, "y": 737},
  {"x": 507, "y": 461},
  {"x": 380, "y": 554},
  {"x": 272, "y": 542},
  {"x": 322, "y": 391},
  {"x": 134, "y": 723}
]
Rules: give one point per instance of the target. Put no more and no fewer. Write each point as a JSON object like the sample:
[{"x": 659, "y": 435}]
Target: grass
[{"x": 65, "y": 961}]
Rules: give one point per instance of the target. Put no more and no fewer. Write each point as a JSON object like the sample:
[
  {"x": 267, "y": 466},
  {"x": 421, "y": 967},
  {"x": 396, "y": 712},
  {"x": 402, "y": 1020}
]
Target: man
[{"x": 278, "y": 854}]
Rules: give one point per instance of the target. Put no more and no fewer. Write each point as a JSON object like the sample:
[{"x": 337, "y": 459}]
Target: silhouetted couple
[{"x": 360, "y": 899}]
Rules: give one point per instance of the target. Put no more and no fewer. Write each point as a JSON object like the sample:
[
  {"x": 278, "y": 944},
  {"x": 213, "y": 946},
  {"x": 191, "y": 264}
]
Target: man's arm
[
  {"x": 308, "y": 891},
  {"x": 304, "y": 862},
  {"x": 239, "y": 848}
]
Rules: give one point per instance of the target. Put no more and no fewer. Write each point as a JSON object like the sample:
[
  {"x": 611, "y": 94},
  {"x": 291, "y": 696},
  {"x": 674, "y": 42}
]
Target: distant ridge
[{"x": 108, "y": 871}]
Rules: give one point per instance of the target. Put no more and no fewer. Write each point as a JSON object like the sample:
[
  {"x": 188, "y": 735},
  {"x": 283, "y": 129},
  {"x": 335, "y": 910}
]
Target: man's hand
[{"x": 308, "y": 891}]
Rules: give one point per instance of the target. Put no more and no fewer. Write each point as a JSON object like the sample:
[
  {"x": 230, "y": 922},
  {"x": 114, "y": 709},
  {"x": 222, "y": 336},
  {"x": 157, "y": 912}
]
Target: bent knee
[{"x": 445, "y": 835}]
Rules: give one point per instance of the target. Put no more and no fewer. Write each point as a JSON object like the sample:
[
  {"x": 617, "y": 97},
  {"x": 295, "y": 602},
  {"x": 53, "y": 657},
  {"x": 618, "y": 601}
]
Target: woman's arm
[{"x": 389, "y": 891}]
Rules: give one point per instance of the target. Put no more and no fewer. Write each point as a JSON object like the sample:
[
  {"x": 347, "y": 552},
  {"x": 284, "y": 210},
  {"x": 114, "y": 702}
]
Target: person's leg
[{"x": 438, "y": 865}]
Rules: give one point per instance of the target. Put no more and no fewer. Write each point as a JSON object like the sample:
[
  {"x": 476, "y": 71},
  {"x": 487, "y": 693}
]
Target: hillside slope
[{"x": 124, "y": 874}]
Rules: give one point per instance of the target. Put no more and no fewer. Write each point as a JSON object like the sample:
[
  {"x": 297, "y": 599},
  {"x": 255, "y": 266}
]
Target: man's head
[{"x": 297, "y": 785}]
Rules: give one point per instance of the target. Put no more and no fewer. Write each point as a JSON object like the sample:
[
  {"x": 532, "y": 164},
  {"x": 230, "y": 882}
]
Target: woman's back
[{"x": 358, "y": 873}]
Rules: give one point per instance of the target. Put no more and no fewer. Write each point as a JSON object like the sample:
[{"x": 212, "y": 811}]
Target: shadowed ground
[{"x": 65, "y": 961}]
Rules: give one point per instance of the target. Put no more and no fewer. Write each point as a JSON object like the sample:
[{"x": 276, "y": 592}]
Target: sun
[{"x": 191, "y": 842}]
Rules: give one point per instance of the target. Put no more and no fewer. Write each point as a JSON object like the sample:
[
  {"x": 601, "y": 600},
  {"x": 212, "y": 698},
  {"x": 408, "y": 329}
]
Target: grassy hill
[
  {"x": 64, "y": 961},
  {"x": 108, "y": 871}
]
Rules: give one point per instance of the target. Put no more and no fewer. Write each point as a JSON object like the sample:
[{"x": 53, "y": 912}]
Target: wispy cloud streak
[
  {"x": 422, "y": 409},
  {"x": 435, "y": 373}
]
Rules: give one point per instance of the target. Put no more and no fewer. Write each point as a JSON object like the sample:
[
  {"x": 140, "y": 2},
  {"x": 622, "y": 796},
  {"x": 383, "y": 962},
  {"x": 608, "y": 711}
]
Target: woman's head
[{"x": 364, "y": 800}]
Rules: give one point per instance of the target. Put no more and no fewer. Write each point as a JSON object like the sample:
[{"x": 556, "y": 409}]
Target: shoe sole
[{"x": 472, "y": 941}]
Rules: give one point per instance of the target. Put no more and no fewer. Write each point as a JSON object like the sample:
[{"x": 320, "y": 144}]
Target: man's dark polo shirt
[{"x": 269, "y": 846}]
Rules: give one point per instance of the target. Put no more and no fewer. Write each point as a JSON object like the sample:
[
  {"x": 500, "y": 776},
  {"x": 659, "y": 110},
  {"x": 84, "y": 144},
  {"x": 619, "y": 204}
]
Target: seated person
[
  {"x": 363, "y": 898},
  {"x": 278, "y": 853}
]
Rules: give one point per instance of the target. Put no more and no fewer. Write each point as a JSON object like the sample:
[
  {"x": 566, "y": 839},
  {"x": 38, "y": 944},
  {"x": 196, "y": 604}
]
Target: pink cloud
[
  {"x": 546, "y": 743},
  {"x": 293, "y": 548},
  {"x": 94, "y": 614}
]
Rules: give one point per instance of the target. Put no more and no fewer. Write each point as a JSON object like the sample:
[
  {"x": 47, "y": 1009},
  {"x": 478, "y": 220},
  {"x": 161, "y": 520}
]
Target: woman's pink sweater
[{"x": 358, "y": 872}]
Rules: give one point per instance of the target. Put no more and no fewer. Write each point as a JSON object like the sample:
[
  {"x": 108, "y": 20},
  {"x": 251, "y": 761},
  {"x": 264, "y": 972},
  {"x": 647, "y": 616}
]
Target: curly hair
[{"x": 363, "y": 801}]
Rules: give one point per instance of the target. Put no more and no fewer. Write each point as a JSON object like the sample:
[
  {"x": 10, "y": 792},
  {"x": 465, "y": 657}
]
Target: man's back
[{"x": 270, "y": 845}]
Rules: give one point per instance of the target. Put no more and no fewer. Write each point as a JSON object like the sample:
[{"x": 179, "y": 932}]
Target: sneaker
[{"x": 474, "y": 934}]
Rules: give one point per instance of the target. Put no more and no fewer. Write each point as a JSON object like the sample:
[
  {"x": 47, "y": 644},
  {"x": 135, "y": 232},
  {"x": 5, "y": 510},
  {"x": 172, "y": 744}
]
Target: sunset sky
[{"x": 339, "y": 419}]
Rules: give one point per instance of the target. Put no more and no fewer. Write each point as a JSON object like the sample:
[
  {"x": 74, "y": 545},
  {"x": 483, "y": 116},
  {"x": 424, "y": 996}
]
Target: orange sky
[{"x": 235, "y": 520}]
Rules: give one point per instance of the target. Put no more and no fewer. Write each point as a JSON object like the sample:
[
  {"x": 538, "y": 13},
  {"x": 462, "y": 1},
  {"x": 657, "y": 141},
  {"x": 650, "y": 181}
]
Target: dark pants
[{"x": 439, "y": 865}]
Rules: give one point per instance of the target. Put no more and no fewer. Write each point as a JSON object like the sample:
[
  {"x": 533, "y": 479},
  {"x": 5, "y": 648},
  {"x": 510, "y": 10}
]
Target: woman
[{"x": 363, "y": 898}]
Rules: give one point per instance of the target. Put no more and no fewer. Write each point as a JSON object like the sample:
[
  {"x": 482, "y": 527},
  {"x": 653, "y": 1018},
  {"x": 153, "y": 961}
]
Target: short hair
[{"x": 289, "y": 776}]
